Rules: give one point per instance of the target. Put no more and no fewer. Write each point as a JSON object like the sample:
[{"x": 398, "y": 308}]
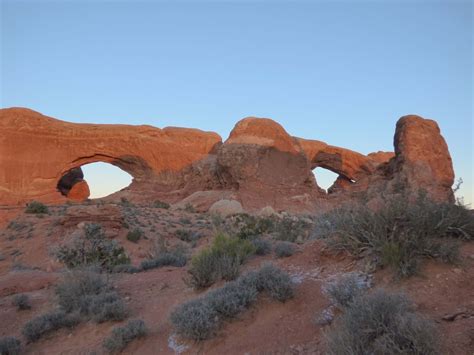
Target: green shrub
[
  {"x": 262, "y": 246},
  {"x": 200, "y": 318},
  {"x": 36, "y": 207},
  {"x": 10, "y": 346},
  {"x": 47, "y": 323},
  {"x": 382, "y": 323},
  {"x": 22, "y": 302},
  {"x": 221, "y": 261},
  {"x": 246, "y": 226},
  {"x": 134, "y": 235},
  {"x": 121, "y": 336},
  {"x": 92, "y": 248},
  {"x": 161, "y": 204},
  {"x": 346, "y": 288},
  {"x": 284, "y": 249},
  {"x": 401, "y": 233}
]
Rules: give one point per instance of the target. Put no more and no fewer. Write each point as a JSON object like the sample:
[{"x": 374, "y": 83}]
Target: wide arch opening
[
  {"x": 93, "y": 180},
  {"x": 325, "y": 178}
]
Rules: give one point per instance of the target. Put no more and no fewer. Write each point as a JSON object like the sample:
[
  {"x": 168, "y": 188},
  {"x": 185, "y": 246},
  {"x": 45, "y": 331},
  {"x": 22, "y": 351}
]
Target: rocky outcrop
[{"x": 259, "y": 165}]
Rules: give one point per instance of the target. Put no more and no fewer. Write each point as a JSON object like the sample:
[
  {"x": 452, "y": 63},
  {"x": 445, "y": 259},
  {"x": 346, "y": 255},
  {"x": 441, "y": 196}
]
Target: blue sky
[{"x": 338, "y": 71}]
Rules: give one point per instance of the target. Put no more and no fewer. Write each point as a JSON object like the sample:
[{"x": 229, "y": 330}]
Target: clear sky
[{"x": 338, "y": 71}]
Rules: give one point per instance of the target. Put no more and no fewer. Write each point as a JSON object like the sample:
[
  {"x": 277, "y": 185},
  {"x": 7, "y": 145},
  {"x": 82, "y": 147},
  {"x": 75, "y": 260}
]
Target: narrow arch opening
[
  {"x": 93, "y": 180},
  {"x": 325, "y": 178}
]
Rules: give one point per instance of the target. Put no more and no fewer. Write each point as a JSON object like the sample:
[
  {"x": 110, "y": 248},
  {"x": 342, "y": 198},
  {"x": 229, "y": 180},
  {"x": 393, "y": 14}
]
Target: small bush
[
  {"x": 36, "y": 207},
  {"x": 134, "y": 235},
  {"x": 262, "y": 246},
  {"x": 48, "y": 322},
  {"x": 88, "y": 294},
  {"x": 200, "y": 318},
  {"x": 382, "y": 323},
  {"x": 22, "y": 302},
  {"x": 276, "y": 282},
  {"x": 345, "y": 289},
  {"x": 292, "y": 229},
  {"x": 93, "y": 248},
  {"x": 401, "y": 233},
  {"x": 246, "y": 226},
  {"x": 175, "y": 257},
  {"x": 125, "y": 268},
  {"x": 161, "y": 204},
  {"x": 121, "y": 336},
  {"x": 221, "y": 261},
  {"x": 10, "y": 346},
  {"x": 284, "y": 249}
]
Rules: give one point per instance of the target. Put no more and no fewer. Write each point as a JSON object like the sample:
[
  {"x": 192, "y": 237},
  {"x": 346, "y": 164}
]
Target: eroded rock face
[
  {"x": 259, "y": 165},
  {"x": 422, "y": 159}
]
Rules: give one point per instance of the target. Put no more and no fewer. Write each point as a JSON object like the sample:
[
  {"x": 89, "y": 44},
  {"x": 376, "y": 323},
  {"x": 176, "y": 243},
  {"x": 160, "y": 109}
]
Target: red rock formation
[
  {"x": 36, "y": 151},
  {"x": 259, "y": 165},
  {"x": 422, "y": 158}
]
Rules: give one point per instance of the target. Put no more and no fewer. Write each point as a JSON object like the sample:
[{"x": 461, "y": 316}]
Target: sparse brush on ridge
[
  {"x": 221, "y": 260},
  {"x": 36, "y": 207},
  {"x": 401, "y": 233},
  {"x": 200, "y": 318},
  {"x": 382, "y": 323}
]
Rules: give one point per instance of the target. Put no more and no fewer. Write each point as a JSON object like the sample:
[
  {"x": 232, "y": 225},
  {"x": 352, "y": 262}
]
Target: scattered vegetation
[
  {"x": 262, "y": 246},
  {"x": 92, "y": 248},
  {"x": 382, "y": 323},
  {"x": 135, "y": 235},
  {"x": 10, "y": 346},
  {"x": 284, "y": 249},
  {"x": 161, "y": 204},
  {"x": 22, "y": 302},
  {"x": 47, "y": 323},
  {"x": 121, "y": 336},
  {"x": 200, "y": 318},
  {"x": 167, "y": 257},
  {"x": 36, "y": 207},
  {"x": 401, "y": 233},
  {"x": 187, "y": 235},
  {"x": 88, "y": 294},
  {"x": 221, "y": 260},
  {"x": 346, "y": 288},
  {"x": 189, "y": 208},
  {"x": 292, "y": 229}
]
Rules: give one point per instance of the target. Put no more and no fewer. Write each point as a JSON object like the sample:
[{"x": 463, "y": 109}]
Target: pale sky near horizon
[{"x": 338, "y": 71}]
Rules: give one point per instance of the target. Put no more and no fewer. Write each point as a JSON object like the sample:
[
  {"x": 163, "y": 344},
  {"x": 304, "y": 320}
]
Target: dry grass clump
[{"x": 121, "y": 336}]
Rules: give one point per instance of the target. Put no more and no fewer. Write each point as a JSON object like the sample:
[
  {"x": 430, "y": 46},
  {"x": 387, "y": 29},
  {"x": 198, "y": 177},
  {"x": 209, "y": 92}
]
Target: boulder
[{"x": 226, "y": 208}]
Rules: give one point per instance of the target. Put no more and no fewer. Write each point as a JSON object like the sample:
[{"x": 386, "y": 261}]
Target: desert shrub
[
  {"x": 291, "y": 229},
  {"x": 187, "y": 235},
  {"x": 36, "y": 207},
  {"x": 221, "y": 261},
  {"x": 121, "y": 336},
  {"x": 401, "y": 233},
  {"x": 200, "y": 318},
  {"x": 10, "y": 346},
  {"x": 22, "y": 302},
  {"x": 92, "y": 248},
  {"x": 274, "y": 281},
  {"x": 382, "y": 323},
  {"x": 262, "y": 246},
  {"x": 246, "y": 226},
  {"x": 135, "y": 235},
  {"x": 125, "y": 268},
  {"x": 161, "y": 204},
  {"x": 47, "y": 323},
  {"x": 168, "y": 257},
  {"x": 284, "y": 249},
  {"x": 88, "y": 294},
  {"x": 343, "y": 290},
  {"x": 189, "y": 208}
]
